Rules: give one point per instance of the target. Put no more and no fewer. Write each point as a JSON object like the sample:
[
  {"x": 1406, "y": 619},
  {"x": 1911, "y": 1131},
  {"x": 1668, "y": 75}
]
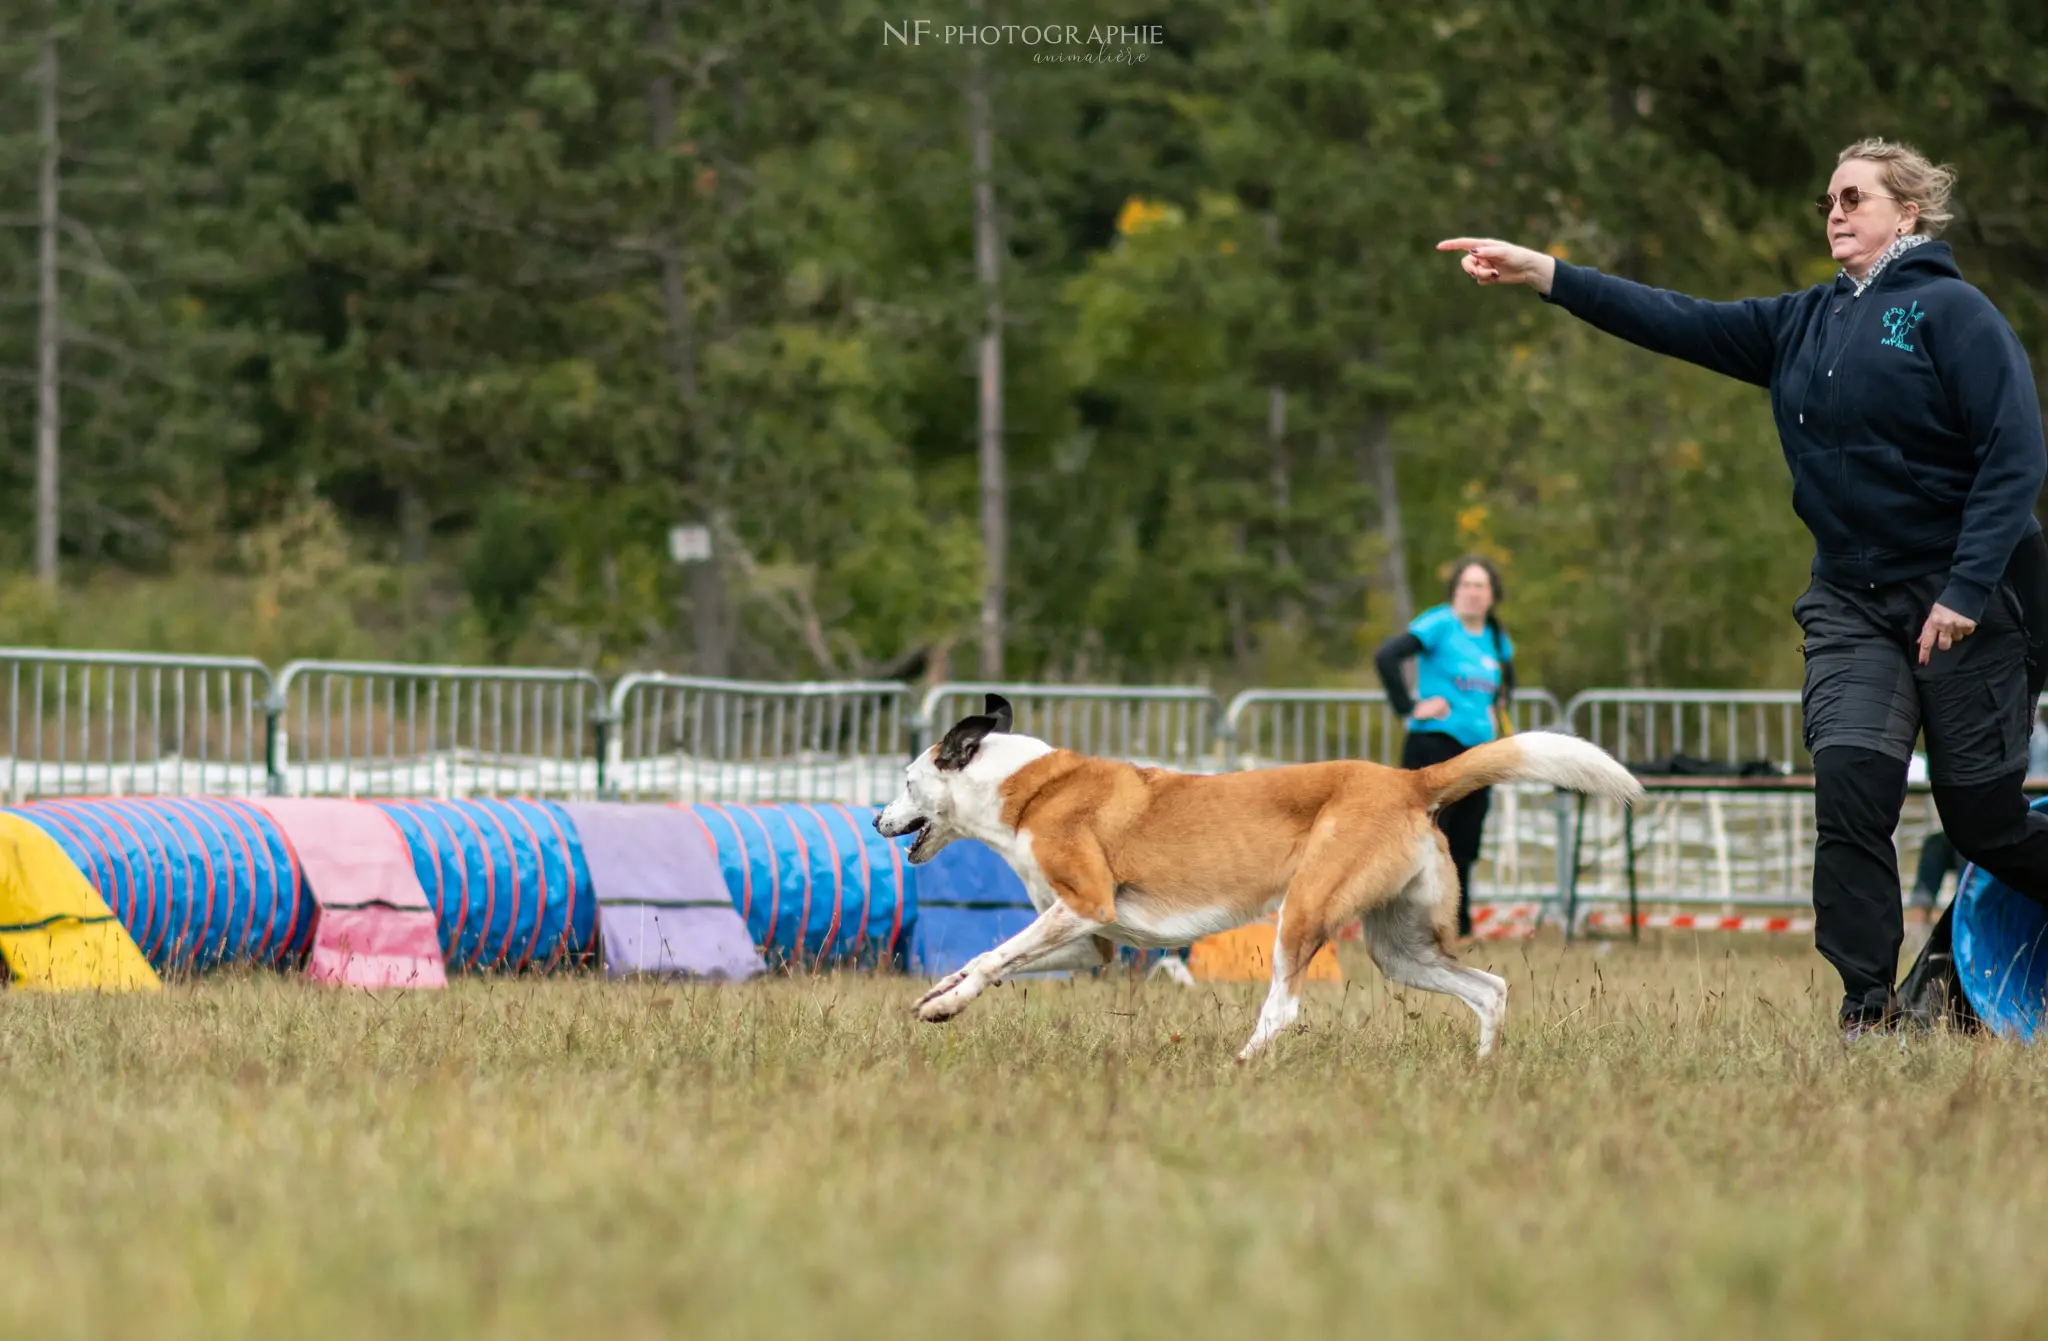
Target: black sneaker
[{"x": 1877, "y": 1013}]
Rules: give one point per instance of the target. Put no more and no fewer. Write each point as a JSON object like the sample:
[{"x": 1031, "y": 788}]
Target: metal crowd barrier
[
  {"x": 1518, "y": 858},
  {"x": 1708, "y": 851},
  {"x": 683, "y": 739},
  {"x": 1730, "y": 726},
  {"x": 112, "y": 723},
  {"x": 1298, "y": 726},
  {"x": 345, "y": 728},
  {"x": 1178, "y": 727}
]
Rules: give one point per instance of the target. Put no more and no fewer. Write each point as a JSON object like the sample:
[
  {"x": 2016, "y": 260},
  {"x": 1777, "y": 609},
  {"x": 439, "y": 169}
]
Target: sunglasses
[{"x": 1852, "y": 196}]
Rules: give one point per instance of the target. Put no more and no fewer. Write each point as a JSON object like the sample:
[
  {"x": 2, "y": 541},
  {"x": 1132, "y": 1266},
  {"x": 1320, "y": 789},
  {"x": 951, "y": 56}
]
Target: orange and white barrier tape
[
  {"x": 1504, "y": 921},
  {"x": 1695, "y": 922}
]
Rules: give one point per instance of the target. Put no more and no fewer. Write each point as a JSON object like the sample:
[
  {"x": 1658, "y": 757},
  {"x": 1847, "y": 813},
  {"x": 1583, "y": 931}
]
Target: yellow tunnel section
[{"x": 56, "y": 932}]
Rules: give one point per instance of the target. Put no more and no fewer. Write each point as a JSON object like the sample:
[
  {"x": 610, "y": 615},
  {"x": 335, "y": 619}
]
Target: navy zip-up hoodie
[{"x": 1908, "y": 414}]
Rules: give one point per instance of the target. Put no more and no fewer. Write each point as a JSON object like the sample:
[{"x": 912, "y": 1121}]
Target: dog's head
[{"x": 943, "y": 795}]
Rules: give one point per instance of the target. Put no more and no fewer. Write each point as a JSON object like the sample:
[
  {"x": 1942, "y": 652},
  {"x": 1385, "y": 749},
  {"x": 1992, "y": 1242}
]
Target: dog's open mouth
[{"x": 920, "y": 849}]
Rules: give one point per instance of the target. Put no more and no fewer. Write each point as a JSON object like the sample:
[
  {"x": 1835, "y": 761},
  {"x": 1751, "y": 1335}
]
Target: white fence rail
[
  {"x": 343, "y": 728},
  {"x": 1167, "y": 726},
  {"x": 674, "y": 738},
  {"x": 110, "y": 723},
  {"x": 1299, "y": 726}
]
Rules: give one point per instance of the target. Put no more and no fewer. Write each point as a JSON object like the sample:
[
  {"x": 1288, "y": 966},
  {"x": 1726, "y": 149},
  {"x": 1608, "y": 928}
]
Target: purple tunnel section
[{"x": 662, "y": 904}]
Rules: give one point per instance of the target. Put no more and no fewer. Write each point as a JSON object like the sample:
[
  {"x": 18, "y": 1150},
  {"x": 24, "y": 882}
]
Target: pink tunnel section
[{"x": 374, "y": 926}]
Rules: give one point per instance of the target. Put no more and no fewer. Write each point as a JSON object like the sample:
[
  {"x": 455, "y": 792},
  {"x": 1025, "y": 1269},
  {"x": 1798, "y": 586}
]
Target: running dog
[{"x": 1112, "y": 854}]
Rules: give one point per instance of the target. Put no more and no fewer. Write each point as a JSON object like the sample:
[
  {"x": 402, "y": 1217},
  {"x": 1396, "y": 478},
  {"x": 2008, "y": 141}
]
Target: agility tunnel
[
  {"x": 109, "y": 892},
  {"x": 2000, "y": 944},
  {"x": 508, "y": 882},
  {"x": 374, "y": 927},
  {"x": 815, "y": 884},
  {"x": 661, "y": 902},
  {"x": 195, "y": 881},
  {"x": 968, "y": 901},
  {"x": 397, "y": 893},
  {"x": 56, "y": 932}
]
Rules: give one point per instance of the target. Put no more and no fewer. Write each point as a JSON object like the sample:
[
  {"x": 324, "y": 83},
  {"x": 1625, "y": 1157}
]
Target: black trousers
[
  {"x": 1937, "y": 859},
  {"x": 1463, "y": 822},
  {"x": 1865, "y": 700}
]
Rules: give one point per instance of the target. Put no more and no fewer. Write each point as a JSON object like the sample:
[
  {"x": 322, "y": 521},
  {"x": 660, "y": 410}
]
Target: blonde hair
[{"x": 1909, "y": 175}]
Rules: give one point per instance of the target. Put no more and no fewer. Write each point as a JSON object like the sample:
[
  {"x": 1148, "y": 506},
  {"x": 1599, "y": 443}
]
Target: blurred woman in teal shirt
[{"x": 1465, "y": 677}]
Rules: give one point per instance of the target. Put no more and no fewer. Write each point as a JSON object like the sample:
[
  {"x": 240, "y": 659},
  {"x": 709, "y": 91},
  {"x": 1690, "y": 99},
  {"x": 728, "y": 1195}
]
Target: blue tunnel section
[
  {"x": 968, "y": 901},
  {"x": 508, "y": 881},
  {"x": 815, "y": 884},
  {"x": 198, "y": 881},
  {"x": 2001, "y": 952}
]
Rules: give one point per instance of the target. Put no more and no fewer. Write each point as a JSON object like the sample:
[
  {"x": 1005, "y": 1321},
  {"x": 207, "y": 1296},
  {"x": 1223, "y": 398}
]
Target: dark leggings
[{"x": 1463, "y": 822}]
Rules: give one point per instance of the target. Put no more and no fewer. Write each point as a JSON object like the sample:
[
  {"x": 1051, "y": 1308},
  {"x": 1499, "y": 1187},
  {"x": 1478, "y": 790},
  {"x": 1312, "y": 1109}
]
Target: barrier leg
[
  {"x": 1628, "y": 842},
  {"x": 1571, "y": 863}
]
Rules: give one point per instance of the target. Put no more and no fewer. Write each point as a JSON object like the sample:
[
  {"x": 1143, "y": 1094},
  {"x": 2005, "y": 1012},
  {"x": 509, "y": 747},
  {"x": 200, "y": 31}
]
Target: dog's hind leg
[
  {"x": 1295, "y": 942},
  {"x": 1333, "y": 885},
  {"x": 1406, "y": 938}
]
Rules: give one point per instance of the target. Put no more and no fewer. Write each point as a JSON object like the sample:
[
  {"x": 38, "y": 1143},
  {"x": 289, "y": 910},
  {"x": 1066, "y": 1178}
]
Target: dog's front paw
[
  {"x": 950, "y": 997},
  {"x": 939, "y": 989},
  {"x": 938, "y": 1010}
]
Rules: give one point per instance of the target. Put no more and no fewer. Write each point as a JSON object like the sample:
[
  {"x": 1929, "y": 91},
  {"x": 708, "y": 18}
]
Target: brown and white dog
[{"x": 1112, "y": 853}]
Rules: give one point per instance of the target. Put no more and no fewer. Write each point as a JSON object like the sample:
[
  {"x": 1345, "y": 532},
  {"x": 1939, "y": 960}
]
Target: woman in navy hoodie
[{"x": 1908, "y": 415}]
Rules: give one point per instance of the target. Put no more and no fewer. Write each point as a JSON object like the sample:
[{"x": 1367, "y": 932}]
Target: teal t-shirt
[{"x": 1463, "y": 669}]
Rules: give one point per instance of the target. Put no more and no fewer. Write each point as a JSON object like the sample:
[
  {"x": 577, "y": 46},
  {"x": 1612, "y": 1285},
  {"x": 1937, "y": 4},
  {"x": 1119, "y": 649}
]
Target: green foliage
[
  {"x": 515, "y": 548},
  {"x": 411, "y": 329}
]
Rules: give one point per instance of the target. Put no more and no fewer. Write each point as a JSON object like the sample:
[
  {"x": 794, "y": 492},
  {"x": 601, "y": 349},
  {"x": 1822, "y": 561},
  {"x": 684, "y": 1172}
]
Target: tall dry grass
[{"x": 1672, "y": 1143}]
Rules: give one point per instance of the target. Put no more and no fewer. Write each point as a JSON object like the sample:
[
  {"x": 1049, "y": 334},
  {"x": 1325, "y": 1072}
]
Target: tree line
[{"x": 465, "y": 330}]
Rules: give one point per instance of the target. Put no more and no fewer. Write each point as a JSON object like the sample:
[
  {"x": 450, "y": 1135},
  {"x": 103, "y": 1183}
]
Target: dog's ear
[
  {"x": 957, "y": 750},
  {"x": 998, "y": 708}
]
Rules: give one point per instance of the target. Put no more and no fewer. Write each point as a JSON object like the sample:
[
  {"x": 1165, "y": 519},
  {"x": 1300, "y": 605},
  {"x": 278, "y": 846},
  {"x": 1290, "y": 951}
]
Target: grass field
[{"x": 1671, "y": 1143}]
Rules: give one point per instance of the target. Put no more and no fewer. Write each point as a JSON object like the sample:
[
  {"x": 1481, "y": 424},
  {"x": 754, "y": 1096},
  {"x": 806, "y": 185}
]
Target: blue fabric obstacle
[
  {"x": 198, "y": 881},
  {"x": 2001, "y": 952},
  {"x": 815, "y": 883},
  {"x": 507, "y": 879},
  {"x": 968, "y": 901}
]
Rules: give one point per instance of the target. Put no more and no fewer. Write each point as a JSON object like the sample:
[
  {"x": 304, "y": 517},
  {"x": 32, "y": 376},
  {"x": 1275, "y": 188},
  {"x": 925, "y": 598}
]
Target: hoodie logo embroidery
[{"x": 1899, "y": 323}]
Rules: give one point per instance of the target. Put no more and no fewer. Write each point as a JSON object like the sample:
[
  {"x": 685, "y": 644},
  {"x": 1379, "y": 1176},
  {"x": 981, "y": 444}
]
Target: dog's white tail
[{"x": 1533, "y": 756}]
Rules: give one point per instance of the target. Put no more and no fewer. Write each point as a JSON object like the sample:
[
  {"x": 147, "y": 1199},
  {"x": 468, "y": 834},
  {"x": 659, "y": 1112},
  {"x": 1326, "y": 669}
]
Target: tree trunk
[
  {"x": 414, "y": 525},
  {"x": 994, "y": 511},
  {"x": 1283, "y": 495},
  {"x": 49, "y": 335},
  {"x": 1379, "y": 461},
  {"x": 710, "y": 634},
  {"x": 1234, "y": 610},
  {"x": 1289, "y": 609}
]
